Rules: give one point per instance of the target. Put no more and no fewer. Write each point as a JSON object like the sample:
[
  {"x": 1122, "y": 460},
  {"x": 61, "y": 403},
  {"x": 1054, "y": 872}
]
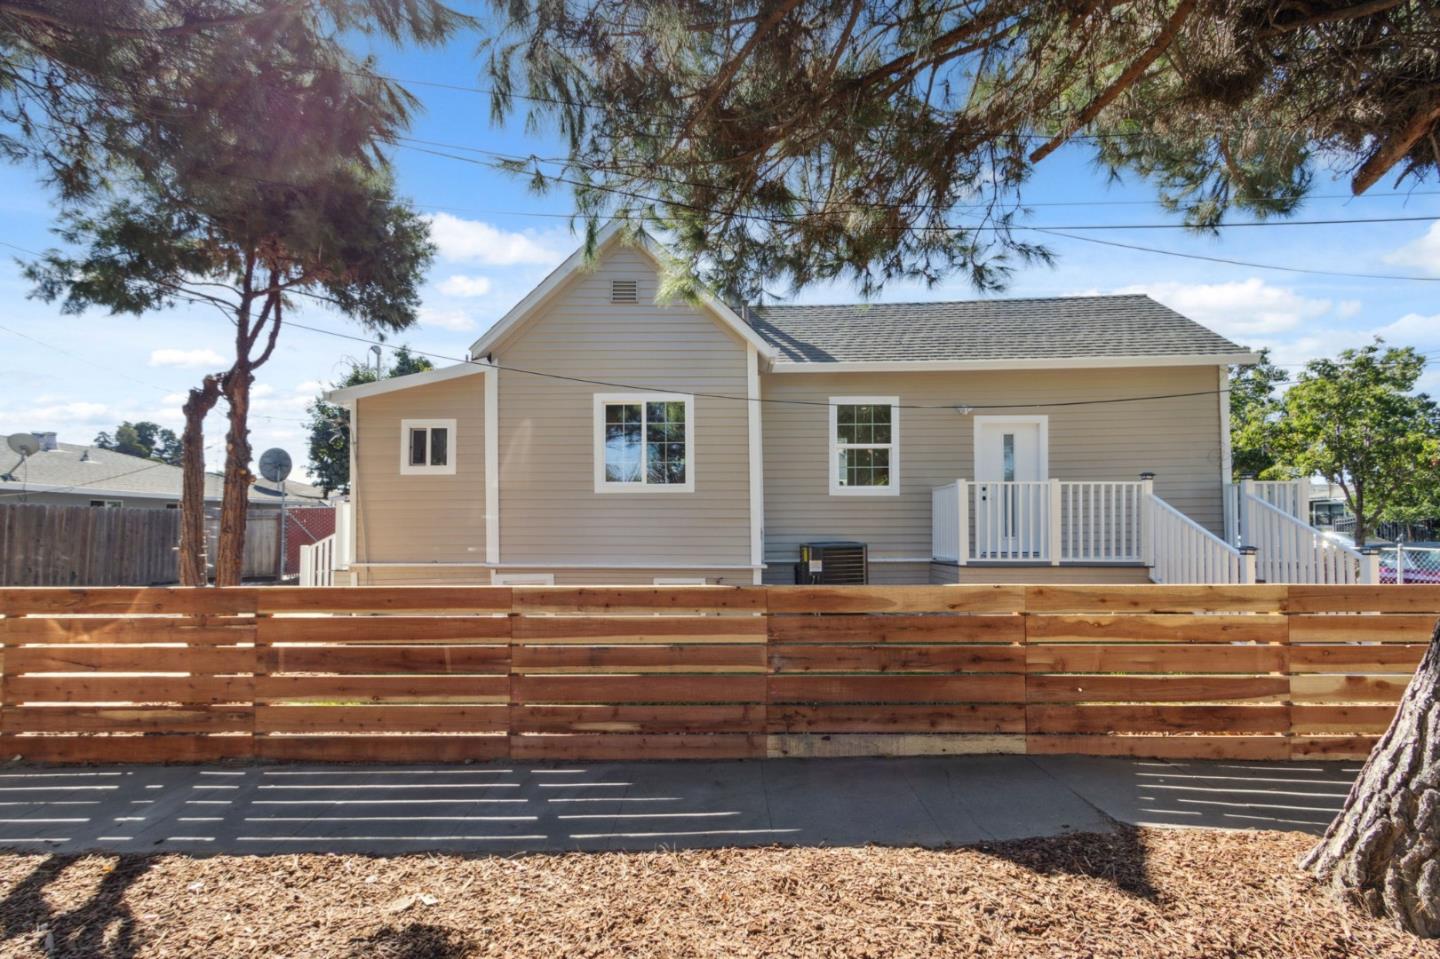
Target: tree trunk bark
[
  {"x": 235, "y": 500},
  {"x": 1382, "y": 852},
  {"x": 192, "y": 482}
]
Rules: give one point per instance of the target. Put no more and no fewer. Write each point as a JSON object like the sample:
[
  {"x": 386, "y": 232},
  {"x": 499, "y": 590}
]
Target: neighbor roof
[
  {"x": 985, "y": 331},
  {"x": 71, "y": 468}
]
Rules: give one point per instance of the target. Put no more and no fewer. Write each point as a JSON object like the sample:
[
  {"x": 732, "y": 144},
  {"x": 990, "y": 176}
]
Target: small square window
[{"x": 426, "y": 448}]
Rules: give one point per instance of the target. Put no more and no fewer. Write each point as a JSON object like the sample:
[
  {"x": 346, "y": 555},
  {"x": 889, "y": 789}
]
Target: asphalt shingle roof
[
  {"x": 83, "y": 469},
  {"x": 1006, "y": 329}
]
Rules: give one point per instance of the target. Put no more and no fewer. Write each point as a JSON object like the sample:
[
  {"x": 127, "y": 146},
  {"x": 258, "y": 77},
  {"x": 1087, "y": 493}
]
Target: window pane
[
  {"x": 665, "y": 442},
  {"x": 439, "y": 446},
  {"x": 865, "y": 468},
  {"x": 417, "y": 447},
  {"x": 1008, "y": 445},
  {"x": 622, "y": 442},
  {"x": 862, "y": 424}
]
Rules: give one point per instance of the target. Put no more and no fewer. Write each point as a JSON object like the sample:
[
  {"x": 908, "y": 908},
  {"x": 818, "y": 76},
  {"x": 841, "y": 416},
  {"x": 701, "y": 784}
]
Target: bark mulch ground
[{"x": 1135, "y": 894}]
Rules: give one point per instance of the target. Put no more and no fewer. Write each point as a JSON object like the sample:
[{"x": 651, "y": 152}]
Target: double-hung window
[
  {"x": 644, "y": 443},
  {"x": 427, "y": 447},
  {"x": 864, "y": 445}
]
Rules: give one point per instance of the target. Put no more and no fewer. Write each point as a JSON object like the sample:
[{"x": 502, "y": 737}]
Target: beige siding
[
  {"x": 947, "y": 573},
  {"x": 548, "y": 504},
  {"x": 480, "y": 576},
  {"x": 433, "y": 519},
  {"x": 1178, "y": 439}
]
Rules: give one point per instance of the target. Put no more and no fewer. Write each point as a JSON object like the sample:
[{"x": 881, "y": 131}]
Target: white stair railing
[
  {"x": 1101, "y": 522},
  {"x": 1185, "y": 552},
  {"x": 947, "y": 505},
  {"x": 317, "y": 562},
  {"x": 1292, "y": 551}
]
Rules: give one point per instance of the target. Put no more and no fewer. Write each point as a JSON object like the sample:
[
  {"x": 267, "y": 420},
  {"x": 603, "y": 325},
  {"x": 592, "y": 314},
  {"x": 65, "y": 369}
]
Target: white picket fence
[{"x": 317, "y": 563}]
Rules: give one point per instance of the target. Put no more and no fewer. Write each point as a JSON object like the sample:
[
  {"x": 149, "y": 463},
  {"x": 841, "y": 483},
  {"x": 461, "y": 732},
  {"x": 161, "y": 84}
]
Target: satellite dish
[
  {"x": 275, "y": 465},
  {"x": 23, "y": 443}
]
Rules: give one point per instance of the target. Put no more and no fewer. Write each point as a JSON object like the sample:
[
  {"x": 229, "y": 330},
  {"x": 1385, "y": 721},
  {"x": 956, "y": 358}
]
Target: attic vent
[{"x": 622, "y": 291}]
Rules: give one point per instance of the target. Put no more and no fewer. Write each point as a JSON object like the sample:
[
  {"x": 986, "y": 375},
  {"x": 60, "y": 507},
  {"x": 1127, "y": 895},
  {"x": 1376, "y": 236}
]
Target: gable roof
[
  {"x": 82, "y": 470},
  {"x": 577, "y": 262},
  {"x": 1059, "y": 331}
]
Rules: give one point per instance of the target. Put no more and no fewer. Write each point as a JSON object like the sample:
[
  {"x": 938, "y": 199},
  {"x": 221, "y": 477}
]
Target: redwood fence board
[{"x": 435, "y": 674}]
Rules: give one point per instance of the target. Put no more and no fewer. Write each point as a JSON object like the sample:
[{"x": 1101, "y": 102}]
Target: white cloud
[
  {"x": 465, "y": 286},
  {"x": 1422, "y": 254},
  {"x": 1238, "y": 309},
  {"x": 473, "y": 241},
  {"x": 457, "y": 321},
  {"x": 1348, "y": 308},
  {"x": 188, "y": 359},
  {"x": 1413, "y": 329}
]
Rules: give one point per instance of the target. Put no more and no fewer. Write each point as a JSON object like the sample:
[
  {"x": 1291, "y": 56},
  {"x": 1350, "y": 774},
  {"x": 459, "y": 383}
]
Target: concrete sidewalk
[{"x": 512, "y": 807}]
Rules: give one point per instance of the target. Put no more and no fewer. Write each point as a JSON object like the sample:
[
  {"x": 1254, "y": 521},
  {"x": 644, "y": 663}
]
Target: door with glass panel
[{"x": 1011, "y": 489}]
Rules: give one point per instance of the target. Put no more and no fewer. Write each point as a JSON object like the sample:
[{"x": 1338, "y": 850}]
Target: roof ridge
[{"x": 995, "y": 299}]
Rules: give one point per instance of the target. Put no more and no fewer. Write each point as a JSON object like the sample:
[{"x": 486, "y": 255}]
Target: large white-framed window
[
  {"x": 644, "y": 443},
  {"x": 427, "y": 447},
  {"x": 864, "y": 446}
]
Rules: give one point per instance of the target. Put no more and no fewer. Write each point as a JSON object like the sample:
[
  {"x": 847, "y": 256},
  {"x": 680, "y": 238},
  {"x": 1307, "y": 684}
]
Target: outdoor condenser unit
[{"x": 832, "y": 564}]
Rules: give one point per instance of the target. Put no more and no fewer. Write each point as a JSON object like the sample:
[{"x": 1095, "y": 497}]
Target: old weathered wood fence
[{"x": 534, "y": 673}]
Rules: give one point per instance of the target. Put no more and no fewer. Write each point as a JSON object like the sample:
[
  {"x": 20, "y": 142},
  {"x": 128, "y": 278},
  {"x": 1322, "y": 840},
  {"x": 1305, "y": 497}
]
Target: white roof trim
[
  {"x": 349, "y": 394},
  {"x": 576, "y": 262},
  {"x": 1036, "y": 363}
]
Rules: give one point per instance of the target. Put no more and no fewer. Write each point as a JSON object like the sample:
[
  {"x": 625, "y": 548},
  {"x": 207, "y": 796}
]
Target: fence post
[
  {"x": 1370, "y": 565},
  {"x": 1147, "y": 518},
  {"x": 1054, "y": 524},
  {"x": 1247, "y": 564},
  {"x": 1400, "y": 563},
  {"x": 1302, "y": 500},
  {"x": 1247, "y": 490},
  {"x": 962, "y": 514}
]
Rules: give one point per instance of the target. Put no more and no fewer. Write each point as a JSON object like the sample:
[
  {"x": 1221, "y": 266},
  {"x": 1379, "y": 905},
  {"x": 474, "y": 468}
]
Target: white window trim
[
  {"x": 1041, "y": 420},
  {"x": 894, "y": 446},
  {"x": 604, "y": 486},
  {"x": 408, "y": 469},
  {"x": 107, "y": 504},
  {"x": 522, "y": 579}
]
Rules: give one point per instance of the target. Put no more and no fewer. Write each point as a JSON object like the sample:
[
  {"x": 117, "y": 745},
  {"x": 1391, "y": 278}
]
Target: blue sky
[{"x": 79, "y": 375}]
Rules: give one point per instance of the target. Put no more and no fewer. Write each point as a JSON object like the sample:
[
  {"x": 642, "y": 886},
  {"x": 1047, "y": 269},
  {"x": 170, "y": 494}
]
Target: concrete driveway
[{"x": 512, "y": 807}]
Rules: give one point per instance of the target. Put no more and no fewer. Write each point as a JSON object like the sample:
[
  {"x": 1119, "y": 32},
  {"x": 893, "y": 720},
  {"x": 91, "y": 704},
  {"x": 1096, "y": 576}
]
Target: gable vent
[{"x": 623, "y": 291}]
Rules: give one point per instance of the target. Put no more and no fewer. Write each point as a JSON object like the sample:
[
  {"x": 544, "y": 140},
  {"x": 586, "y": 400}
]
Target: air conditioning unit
[{"x": 832, "y": 564}]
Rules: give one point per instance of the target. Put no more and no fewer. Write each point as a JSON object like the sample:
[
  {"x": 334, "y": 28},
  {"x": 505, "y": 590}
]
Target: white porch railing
[
  {"x": 1292, "y": 551},
  {"x": 1045, "y": 521},
  {"x": 1288, "y": 496},
  {"x": 1185, "y": 552},
  {"x": 317, "y": 562}
]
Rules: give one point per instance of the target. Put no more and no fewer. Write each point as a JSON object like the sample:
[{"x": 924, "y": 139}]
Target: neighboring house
[
  {"x": 598, "y": 437},
  {"x": 66, "y": 474}
]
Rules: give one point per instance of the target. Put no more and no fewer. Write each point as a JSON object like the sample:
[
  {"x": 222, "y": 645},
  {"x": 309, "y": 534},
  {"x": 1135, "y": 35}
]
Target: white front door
[{"x": 1011, "y": 491}]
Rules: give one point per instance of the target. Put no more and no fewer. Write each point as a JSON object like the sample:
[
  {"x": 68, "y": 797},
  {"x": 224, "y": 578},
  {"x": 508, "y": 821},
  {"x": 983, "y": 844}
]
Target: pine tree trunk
[
  {"x": 235, "y": 499},
  {"x": 1382, "y": 852},
  {"x": 192, "y": 483}
]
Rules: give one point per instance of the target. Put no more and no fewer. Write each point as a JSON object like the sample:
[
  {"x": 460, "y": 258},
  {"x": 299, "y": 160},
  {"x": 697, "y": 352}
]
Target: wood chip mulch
[{"x": 1134, "y": 894}]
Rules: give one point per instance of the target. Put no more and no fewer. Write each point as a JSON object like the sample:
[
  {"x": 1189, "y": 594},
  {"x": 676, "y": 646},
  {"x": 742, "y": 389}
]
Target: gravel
[{"x": 1132, "y": 893}]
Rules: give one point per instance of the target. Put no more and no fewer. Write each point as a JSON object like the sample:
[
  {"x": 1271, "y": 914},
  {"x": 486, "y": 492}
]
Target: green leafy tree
[
  {"x": 256, "y": 177},
  {"x": 146, "y": 439},
  {"x": 330, "y": 425},
  {"x": 1254, "y": 408},
  {"x": 795, "y": 141},
  {"x": 1357, "y": 421}
]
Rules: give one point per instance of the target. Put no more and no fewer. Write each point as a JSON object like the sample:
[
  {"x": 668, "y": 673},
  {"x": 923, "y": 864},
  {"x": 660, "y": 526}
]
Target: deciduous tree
[
  {"x": 1254, "y": 408},
  {"x": 149, "y": 440},
  {"x": 1357, "y": 421}
]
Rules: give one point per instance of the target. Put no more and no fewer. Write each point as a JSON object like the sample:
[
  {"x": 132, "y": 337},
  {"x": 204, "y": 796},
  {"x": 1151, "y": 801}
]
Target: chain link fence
[{"x": 1409, "y": 564}]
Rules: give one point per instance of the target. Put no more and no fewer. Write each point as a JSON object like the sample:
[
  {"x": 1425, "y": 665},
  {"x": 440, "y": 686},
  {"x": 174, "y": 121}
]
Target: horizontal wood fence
[{"x": 430, "y": 674}]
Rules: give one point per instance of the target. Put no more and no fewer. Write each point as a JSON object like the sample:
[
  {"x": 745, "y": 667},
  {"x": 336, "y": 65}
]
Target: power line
[{"x": 1234, "y": 262}]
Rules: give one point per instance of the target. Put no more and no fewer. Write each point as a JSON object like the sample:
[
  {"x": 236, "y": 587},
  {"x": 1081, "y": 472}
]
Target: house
[
  {"x": 69, "y": 474},
  {"x": 596, "y": 436}
]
